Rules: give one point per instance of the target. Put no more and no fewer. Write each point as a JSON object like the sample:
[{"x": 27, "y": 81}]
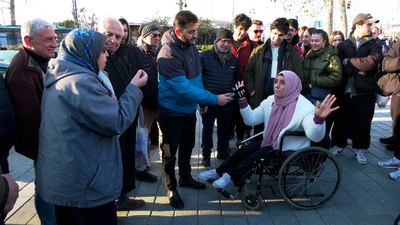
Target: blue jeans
[
  {"x": 223, "y": 114},
  {"x": 45, "y": 211}
]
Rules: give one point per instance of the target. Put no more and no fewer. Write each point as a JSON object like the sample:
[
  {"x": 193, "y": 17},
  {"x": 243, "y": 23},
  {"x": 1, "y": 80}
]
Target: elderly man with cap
[
  {"x": 149, "y": 44},
  {"x": 220, "y": 73},
  {"x": 360, "y": 56}
]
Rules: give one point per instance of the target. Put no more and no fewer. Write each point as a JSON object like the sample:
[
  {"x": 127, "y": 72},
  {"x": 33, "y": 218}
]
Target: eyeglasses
[
  {"x": 155, "y": 35},
  {"x": 258, "y": 31},
  {"x": 337, "y": 40}
]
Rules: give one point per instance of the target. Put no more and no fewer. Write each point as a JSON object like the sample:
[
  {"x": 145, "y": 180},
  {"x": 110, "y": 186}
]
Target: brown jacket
[
  {"x": 25, "y": 83},
  {"x": 391, "y": 62}
]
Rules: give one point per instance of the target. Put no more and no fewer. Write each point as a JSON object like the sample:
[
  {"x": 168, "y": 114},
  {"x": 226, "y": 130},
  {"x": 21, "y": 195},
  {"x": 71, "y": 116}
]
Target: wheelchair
[{"x": 307, "y": 178}]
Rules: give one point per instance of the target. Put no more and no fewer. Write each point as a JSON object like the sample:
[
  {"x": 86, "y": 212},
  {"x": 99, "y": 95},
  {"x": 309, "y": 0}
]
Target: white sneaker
[
  {"x": 361, "y": 156},
  {"x": 223, "y": 181},
  {"x": 207, "y": 175},
  {"x": 337, "y": 150},
  {"x": 390, "y": 163},
  {"x": 395, "y": 175}
]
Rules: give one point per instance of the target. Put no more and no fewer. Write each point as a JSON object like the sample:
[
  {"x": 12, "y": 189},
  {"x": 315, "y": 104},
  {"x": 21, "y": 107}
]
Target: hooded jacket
[
  {"x": 322, "y": 69},
  {"x": 180, "y": 88},
  {"x": 79, "y": 163}
]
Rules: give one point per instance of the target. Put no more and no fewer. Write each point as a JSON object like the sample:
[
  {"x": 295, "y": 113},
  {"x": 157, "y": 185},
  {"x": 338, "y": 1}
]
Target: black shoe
[
  {"x": 146, "y": 176},
  {"x": 192, "y": 183},
  {"x": 387, "y": 140},
  {"x": 130, "y": 204},
  {"x": 206, "y": 162},
  {"x": 392, "y": 147},
  {"x": 175, "y": 200}
]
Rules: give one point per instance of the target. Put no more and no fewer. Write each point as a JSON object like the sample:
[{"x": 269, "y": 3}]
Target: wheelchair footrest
[{"x": 226, "y": 194}]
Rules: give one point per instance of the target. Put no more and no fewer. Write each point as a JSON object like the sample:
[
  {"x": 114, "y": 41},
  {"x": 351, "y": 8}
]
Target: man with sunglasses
[
  {"x": 256, "y": 32},
  {"x": 149, "y": 44}
]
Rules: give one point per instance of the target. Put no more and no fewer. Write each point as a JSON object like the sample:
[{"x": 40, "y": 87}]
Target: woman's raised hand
[
  {"x": 240, "y": 89},
  {"x": 325, "y": 108}
]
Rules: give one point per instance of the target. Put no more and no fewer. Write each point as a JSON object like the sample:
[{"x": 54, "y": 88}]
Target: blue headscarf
[{"x": 83, "y": 47}]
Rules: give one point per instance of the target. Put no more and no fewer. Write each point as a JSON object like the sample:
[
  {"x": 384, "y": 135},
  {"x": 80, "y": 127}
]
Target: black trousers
[
  {"x": 177, "y": 132},
  {"x": 242, "y": 160},
  {"x": 223, "y": 115},
  {"x": 101, "y": 215},
  {"x": 354, "y": 120}
]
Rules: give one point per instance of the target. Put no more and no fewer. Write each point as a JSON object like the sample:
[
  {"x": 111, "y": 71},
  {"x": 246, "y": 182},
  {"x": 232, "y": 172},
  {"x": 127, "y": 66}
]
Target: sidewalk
[{"x": 367, "y": 195}]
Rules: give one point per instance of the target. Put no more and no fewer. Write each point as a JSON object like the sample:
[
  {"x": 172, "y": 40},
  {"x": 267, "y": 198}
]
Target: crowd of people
[{"x": 75, "y": 112}]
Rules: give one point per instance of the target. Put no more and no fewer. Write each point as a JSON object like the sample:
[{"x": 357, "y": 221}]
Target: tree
[
  {"x": 75, "y": 14},
  {"x": 314, "y": 8},
  {"x": 343, "y": 17},
  {"x": 162, "y": 22},
  {"x": 328, "y": 16},
  {"x": 206, "y": 33},
  {"x": 12, "y": 10},
  {"x": 85, "y": 21},
  {"x": 66, "y": 23}
]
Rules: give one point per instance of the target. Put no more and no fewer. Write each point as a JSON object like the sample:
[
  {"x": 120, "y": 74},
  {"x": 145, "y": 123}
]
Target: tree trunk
[
  {"x": 12, "y": 12},
  {"x": 329, "y": 15},
  {"x": 75, "y": 13},
  {"x": 343, "y": 17}
]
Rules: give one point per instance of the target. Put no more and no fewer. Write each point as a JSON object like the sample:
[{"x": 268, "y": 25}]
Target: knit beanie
[
  {"x": 224, "y": 33},
  {"x": 145, "y": 29}
]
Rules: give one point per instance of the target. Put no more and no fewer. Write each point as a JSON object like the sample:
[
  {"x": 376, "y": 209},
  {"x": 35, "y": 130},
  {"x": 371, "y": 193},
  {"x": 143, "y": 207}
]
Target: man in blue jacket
[{"x": 180, "y": 92}]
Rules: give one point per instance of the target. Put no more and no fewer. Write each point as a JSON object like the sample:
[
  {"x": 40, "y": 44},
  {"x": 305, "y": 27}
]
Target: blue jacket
[{"x": 180, "y": 87}]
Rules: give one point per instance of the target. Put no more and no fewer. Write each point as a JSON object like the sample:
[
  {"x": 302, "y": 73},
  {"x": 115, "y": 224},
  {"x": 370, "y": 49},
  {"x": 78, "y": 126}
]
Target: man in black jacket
[
  {"x": 360, "y": 56},
  {"x": 220, "y": 73},
  {"x": 122, "y": 65}
]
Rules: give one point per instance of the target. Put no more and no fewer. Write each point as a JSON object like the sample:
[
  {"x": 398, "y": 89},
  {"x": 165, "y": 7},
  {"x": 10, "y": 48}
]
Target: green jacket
[
  {"x": 259, "y": 67},
  {"x": 322, "y": 69}
]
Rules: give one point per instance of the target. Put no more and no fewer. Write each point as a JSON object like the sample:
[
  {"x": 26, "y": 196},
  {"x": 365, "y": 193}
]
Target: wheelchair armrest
[{"x": 297, "y": 133}]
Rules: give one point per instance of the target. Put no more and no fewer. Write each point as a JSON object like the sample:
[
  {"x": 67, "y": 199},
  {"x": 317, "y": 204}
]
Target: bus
[{"x": 10, "y": 39}]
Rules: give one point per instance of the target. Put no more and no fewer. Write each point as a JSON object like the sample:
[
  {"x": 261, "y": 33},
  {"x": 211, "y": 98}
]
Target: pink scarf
[{"x": 282, "y": 109}]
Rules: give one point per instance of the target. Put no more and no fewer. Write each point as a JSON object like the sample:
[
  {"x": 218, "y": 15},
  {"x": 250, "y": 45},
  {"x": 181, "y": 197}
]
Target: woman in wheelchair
[{"x": 286, "y": 110}]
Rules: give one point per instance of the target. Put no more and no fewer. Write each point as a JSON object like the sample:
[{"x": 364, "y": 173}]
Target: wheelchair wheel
[
  {"x": 309, "y": 178},
  {"x": 251, "y": 200}
]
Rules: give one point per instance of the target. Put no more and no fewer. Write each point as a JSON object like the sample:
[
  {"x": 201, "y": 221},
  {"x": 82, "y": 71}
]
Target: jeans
[
  {"x": 223, "y": 114},
  {"x": 45, "y": 211}
]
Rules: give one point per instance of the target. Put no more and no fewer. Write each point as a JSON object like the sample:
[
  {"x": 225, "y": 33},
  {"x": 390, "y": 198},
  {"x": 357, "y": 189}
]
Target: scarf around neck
[{"x": 282, "y": 109}]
